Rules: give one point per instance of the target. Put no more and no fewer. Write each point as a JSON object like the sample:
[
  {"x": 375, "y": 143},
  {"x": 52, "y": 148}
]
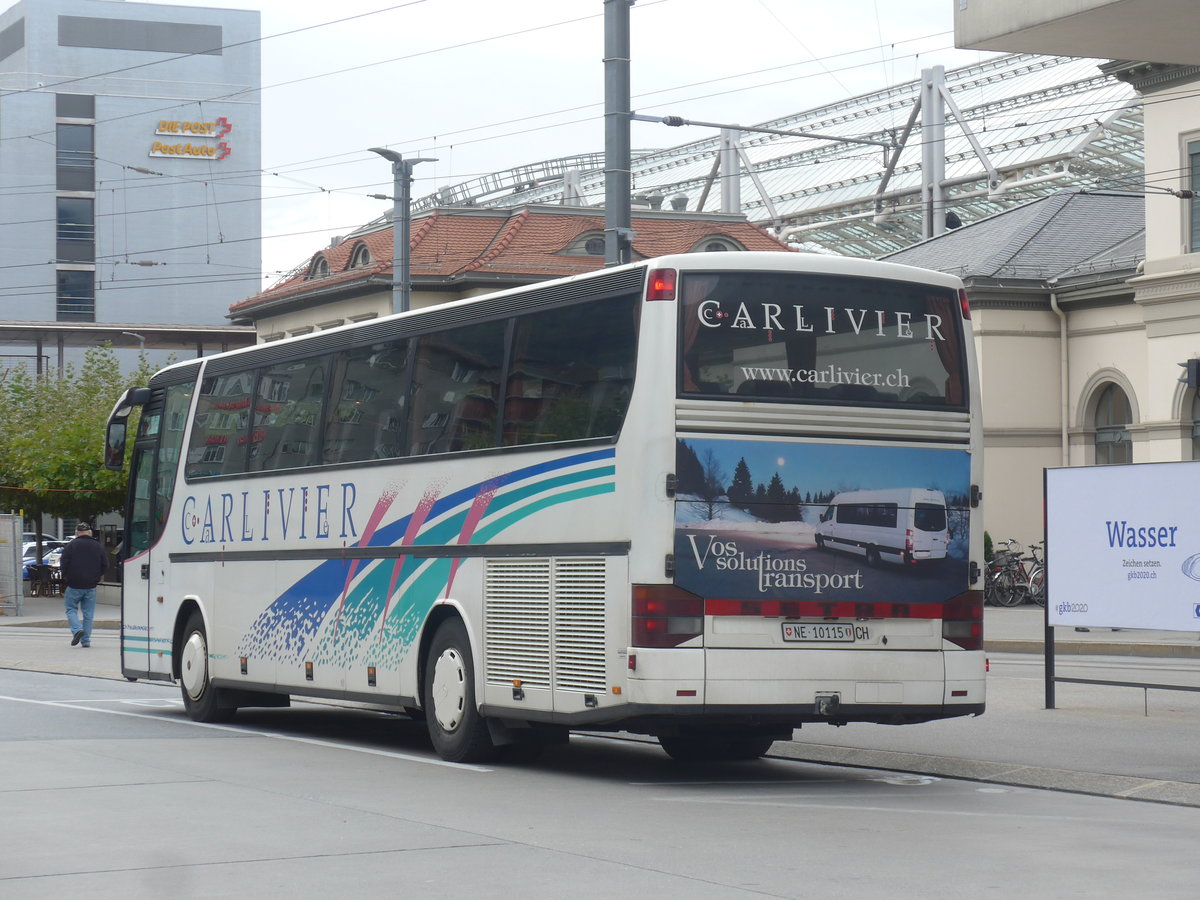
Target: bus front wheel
[
  {"x": 200, "y": 698},
  {"x": 457, "y": 730}
]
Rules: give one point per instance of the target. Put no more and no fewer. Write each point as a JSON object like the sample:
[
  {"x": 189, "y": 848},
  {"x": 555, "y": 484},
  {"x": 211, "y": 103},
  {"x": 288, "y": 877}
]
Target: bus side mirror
[{"x": 114, "y": 446}]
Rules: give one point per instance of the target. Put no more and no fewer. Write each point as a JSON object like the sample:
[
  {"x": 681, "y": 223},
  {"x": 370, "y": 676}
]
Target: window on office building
[
  {"x": 75, "y": 106},
  {"x": 75, "y": 159},
  {"x": 1113, "y": 444},
  {"x": 76, "y": 229},
  {"x": 76, "y": 301}
]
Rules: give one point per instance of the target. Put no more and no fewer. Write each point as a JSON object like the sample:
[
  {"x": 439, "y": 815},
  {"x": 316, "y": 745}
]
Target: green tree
[
  {"x": 52, "y": 437},
  {"x": 741, "y": 489}
]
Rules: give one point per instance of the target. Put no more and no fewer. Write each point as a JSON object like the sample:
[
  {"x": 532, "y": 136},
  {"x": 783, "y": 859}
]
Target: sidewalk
[
  {"x": 1103, "y": 740},
  {"x": 1019, "y": 629}
]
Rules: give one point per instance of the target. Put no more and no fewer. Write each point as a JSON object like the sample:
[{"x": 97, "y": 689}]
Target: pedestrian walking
[{"x": 83, "y": 563}]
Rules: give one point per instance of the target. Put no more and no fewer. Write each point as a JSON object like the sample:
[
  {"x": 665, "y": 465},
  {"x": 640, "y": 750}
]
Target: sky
[{"x": 486, "y": 86}]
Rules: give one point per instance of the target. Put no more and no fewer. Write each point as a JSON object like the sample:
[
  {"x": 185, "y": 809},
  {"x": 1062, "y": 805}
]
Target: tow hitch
[{"x": 827, "y": 704}]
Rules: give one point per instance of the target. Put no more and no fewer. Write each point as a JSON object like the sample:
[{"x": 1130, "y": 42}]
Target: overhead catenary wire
[{"x": 541, "y": 115}]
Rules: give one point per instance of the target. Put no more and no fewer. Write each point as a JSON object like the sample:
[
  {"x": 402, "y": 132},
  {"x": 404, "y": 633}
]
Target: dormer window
[
  {"x": 361, "y": 257},
  {"x": 319, "y": 268},
  {"x": 590, "y": 243},
  {"x": 717, "y": 244}
]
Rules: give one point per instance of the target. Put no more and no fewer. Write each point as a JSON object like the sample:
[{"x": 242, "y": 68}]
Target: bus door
[
  {"x": 135, "y": 571},
  {"x": 146, "y": 616}
]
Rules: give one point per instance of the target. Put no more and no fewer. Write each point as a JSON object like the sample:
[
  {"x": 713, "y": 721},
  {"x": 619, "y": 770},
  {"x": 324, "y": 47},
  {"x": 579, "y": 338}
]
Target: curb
[
  {"x": 1095, "y": 648},
  {"x": 1097, "y": 784}
]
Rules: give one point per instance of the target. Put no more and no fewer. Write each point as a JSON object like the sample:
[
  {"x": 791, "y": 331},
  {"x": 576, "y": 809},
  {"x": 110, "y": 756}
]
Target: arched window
[
  {"x": 361, "y": 257},
  {"x": 716, "y": 243},
  {"x": 590, "y": 243},
  {"x": 1112, "y": 433},
  {"x": 319, "y": 268},
  {"x": 1196, "y": 425}
]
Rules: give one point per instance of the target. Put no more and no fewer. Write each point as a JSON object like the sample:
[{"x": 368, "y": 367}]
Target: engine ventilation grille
[
  {"x": 579, "y": 624},
  {"x": 544, "y": 622}
]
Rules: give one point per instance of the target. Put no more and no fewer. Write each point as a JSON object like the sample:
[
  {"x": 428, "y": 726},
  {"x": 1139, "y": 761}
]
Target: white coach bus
[{"x": 586, "y": 504}]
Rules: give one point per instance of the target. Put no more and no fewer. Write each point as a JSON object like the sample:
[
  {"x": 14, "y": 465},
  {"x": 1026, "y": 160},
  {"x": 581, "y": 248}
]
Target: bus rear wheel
[
  {"x": 715, "y": 747},
  {"x": 458, "y": 732},
  {"x": 200, "y": 699}
]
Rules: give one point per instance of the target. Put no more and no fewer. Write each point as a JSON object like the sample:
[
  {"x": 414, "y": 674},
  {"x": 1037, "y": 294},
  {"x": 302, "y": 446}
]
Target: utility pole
[
  {"x": 933, "y": 151},
  {"x": 618, "y": 180},
  {"x": 402, "y": 177}
]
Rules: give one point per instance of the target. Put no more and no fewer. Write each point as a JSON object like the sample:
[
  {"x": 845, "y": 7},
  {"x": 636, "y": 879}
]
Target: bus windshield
[{"x": 821, "y": 338}]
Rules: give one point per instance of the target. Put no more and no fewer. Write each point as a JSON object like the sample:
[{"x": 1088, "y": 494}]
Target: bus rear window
[{"x": 822, "y": 339}]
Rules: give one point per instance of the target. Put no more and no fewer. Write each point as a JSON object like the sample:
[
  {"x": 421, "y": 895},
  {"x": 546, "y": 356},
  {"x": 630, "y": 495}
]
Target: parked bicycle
[
  {"x": 1037, "y": 575},
  {"x": 1010, "y": 581}
]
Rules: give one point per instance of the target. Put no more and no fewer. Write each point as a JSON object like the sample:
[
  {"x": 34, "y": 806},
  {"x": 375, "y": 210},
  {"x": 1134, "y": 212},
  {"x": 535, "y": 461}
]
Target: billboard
[
  {"x": 827, "y": 523},
  {"x": 1123, "y": 546}
]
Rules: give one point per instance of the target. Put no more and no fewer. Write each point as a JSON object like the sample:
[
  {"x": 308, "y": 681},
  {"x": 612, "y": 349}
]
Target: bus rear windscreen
[{"x": 822, "y": 339}]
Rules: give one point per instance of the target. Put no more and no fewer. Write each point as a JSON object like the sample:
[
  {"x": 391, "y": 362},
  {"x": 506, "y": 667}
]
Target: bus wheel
[
  {"x": 715, "y": 747},
  {"x": 459, "y": 733},
  {"x": 821, "y": 541},
  {"x": 200, "y": 698},
  {"x": 873, "y": 557}
]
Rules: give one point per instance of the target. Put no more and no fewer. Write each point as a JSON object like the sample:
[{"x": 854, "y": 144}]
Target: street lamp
[{"x": 402, "y": 176}]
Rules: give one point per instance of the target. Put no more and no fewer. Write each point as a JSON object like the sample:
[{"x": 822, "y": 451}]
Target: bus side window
[
  {"x": 365, "y": 419},
  {"x": 561, "y": 387},
  {"x": 456, "y": 382},
  {"x": 287, "y": 415},
  {"x": 170, "y": 442},
  {"x": 221, "y": 430}
]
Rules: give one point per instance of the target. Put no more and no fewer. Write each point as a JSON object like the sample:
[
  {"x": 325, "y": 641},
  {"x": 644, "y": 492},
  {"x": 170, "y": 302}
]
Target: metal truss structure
[{"x": 992, "y": 135}]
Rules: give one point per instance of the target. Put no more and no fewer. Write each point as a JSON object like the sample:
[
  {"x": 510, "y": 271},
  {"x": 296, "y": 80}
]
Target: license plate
[{"x": 821, "y": 631}]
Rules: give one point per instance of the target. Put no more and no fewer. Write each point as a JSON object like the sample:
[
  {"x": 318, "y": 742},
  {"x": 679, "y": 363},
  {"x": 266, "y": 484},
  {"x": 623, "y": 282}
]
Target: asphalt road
[
  {"x": 109, "y": 791},
  {"x": 1103, "y": 740}
]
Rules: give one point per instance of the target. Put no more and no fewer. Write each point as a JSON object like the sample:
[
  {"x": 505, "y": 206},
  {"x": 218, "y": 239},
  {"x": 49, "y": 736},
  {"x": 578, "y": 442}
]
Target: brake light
[
  {"x": 963, "y": 304},
  {"x": 962, "y": 620},
  {"x": 661, "y": 285},
  {"x": 665, "y": 616}
]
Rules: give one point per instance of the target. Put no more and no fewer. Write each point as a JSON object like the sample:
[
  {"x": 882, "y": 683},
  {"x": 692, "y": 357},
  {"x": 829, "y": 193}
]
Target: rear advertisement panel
[
  {"x": 1123, "y": 546},
  {"x": 785, "y": 520}
]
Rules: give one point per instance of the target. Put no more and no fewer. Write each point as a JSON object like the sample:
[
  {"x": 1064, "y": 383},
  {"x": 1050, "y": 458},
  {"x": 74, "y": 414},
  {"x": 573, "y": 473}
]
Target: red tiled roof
[{"x": 458, "y": 243}]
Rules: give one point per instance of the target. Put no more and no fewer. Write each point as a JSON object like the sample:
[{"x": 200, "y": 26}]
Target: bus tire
[
  {"x": 201, "y": 700},
  {"x": 820, "y": 542},
  {"x": 458, "y": 732},
  {"x": 873, "y": 559}
]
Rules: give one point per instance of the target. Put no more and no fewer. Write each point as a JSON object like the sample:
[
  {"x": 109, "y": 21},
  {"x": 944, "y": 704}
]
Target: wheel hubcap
[
  {"x": 449, "y": 690},
  {"x": 193, "y": 666}
]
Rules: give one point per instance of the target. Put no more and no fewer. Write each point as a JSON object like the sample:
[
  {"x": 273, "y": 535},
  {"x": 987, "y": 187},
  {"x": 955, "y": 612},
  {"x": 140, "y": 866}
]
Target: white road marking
[{"x": 231, "y": 729}]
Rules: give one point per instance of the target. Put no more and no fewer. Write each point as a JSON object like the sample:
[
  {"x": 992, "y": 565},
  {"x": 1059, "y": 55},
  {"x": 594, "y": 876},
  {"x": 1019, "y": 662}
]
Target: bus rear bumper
[{"x": 815, "y": 685}]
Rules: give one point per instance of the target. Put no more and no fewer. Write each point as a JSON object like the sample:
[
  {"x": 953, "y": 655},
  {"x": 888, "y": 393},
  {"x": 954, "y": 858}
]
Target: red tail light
[
  {"x": 962, "y": 620},
  {"x": 963, "y": 304},
  {"x": 665, "y": 616},
  {"x": 661, "y": 284}
]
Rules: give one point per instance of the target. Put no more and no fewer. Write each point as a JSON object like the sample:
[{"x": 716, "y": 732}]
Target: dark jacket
[{"x": 83, "y": 562}]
